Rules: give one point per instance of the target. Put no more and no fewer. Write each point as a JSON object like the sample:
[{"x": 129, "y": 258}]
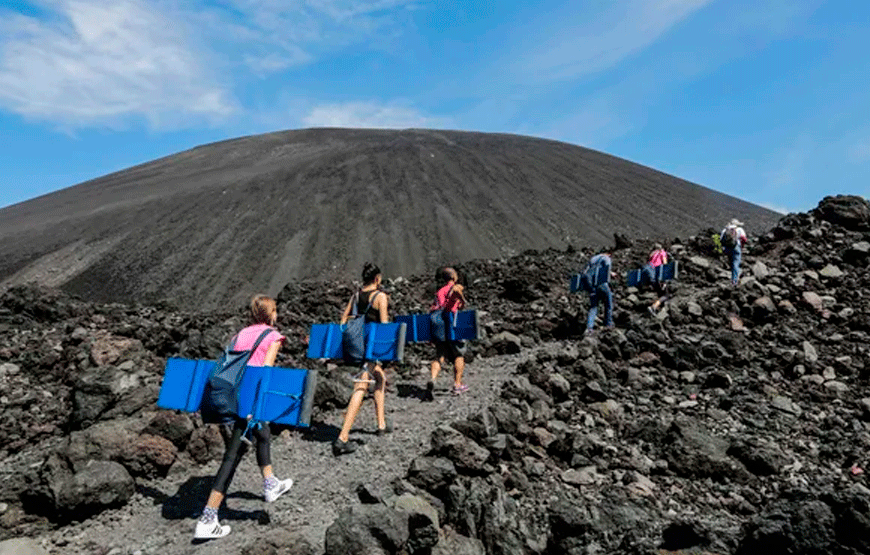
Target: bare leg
[
  {"x": 356, "y": 399},
  {"x": 436, "y": 367},
  {"x": 214, "y": 499},
  {"x": 380, "y": 396},
  {"x": 458, "y": 368}
]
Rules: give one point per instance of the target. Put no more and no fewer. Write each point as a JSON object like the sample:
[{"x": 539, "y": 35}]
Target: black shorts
[{"x": 450, "y": 350}]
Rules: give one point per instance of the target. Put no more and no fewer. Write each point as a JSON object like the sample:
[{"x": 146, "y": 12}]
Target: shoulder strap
[
  {"x": 372, "y": 301},
  {"x": 354, "y": 301}
]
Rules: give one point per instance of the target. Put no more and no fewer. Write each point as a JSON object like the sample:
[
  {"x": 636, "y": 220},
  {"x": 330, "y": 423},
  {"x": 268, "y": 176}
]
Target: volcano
[{"x": 216, "y": 223}]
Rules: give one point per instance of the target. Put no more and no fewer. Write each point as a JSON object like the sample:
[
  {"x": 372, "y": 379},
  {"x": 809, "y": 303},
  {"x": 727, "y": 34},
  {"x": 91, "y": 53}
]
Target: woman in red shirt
[{"x": 449, "y": 299}]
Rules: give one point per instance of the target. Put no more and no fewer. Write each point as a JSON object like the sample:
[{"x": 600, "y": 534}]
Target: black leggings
[{"x": 235, "y": 451}]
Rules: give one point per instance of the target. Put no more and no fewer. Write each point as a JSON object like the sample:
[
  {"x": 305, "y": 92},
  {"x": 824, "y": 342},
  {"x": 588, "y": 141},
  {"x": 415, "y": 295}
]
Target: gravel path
[{"x": 160, "y": 517}]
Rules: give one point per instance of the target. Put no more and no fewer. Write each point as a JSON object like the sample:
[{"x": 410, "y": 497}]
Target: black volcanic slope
[{"x": 213, "y": 224}]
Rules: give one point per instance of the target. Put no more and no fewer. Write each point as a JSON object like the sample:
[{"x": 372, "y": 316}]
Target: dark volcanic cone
[{"x": 214, "y": 224}]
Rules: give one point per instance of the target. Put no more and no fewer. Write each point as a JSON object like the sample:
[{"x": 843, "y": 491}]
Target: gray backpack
[{"x": 353, "y": 336}]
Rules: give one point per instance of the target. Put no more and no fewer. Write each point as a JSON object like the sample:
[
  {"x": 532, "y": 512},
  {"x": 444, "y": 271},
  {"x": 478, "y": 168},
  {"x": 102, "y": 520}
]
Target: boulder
[
  {"x": 98, "y": 486},
  {"x": 369, "y": 530},
  {"x": 847, "y": 211},
  {"x": 465, "y": 453},
  {"x": 431, "y": 474},
  {"x": 177, "y": 427},
  {"x": 150, "y": 456}
]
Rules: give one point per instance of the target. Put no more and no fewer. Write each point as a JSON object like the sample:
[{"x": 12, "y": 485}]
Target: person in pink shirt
[
  {"x": 264, "y": 314},
  {"x": 657, "y": 257},
  {"x": 449, "y": 299}
]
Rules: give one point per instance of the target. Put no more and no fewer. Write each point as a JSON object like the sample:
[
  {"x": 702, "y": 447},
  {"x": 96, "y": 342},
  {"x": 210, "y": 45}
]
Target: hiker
[
  {"x": 598, "y": 270},
  {"x": 264, "y": 315},
  {"x": 449, "y": 299},
  {"x": 657, "y": 257},
  {"x": 732, "y": 238},
  {"x": 371, "y": 304}
]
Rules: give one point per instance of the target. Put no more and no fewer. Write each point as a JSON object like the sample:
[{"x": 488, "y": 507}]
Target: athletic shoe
[
  {"x": 652, "y": 310},
  {"x": 280, "y": 489},
  {"x": 388, "y": 428},
  {"x": 210, "y": 530},
  {"x": 343, "y": 447},
  {"x": 459, "y": 389}
]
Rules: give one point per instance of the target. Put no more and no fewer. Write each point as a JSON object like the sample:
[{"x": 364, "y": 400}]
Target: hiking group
[
  {"x": 259, "y": 343},
  {"x": 595, "y": 279}
]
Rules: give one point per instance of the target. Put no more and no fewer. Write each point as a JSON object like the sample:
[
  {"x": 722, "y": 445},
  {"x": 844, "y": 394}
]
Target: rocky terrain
[
  {"x": 735, "y": 421},
  {"x": 204, "y": 227}
]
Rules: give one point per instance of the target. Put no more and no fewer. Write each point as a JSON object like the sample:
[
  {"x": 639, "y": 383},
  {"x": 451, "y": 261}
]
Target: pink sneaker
[{"x": 460, "y": 389}]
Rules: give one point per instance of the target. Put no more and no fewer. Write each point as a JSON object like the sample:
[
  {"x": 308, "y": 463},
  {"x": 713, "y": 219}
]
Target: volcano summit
[{"x": 212, "y": 224}]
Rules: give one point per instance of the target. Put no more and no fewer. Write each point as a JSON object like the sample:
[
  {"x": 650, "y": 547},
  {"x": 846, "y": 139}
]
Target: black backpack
[
  {"x": 729, "y": 239},
  {"x": 353, "y": 336},
  {"x": 220, "y": 401}
]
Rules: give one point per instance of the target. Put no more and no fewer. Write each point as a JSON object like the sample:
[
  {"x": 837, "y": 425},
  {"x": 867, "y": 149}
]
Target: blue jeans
[
  {"x": 601, "y": 293},
  {"x": 735, "y": 255}
]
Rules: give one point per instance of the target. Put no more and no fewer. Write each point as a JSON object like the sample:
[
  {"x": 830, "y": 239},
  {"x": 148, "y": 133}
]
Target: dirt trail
[{"x": 159, "y": 519}]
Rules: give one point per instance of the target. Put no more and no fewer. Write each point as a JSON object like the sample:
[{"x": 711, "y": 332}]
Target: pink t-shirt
[
  {"x": 249, "y": 335},
  {"x": 445, "y": 299},
  {"x": 657, "y": 258}
]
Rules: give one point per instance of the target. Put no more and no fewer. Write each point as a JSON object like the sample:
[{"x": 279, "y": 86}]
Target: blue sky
[{"x": 765, "y": 100}]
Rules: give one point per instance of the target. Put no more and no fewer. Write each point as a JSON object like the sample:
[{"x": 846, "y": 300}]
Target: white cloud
[
  {"x": 369, "y": 114},
  {"x": 173, "y": 63},
  {"x": 93, "y": 63},
  {"x": 593, "y": 42},
  {"x": 273, "y": 35}
]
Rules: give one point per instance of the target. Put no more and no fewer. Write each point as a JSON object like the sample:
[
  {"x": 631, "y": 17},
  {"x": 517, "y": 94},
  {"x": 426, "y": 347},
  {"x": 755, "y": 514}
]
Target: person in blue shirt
[{"x": 598, "y": 269}]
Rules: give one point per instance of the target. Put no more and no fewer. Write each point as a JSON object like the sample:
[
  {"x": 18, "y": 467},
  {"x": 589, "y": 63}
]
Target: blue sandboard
[
  {"x": 279, "y": 395},
  {"x": 268, "y": 394},
  {"x": 384, "y": 342},
  {"x": 665, "y": 272},
  {"x": 465, "y": 327},
  {"x": 183, "y": 383},
  {"x": 602, "y": 277}
]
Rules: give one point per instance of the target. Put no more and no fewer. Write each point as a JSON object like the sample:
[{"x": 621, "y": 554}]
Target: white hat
[{"x": 736, "y": 222}]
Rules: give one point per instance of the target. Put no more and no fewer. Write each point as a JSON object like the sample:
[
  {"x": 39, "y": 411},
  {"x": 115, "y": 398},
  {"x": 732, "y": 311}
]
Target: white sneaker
[
  {"x": 283, "y": 486},
  {"x": 210, "y": 530}
]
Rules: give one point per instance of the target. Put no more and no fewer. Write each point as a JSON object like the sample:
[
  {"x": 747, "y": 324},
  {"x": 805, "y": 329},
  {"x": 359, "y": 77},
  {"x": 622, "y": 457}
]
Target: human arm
[
  {"x": 382, "y": 304},
  {"x": 459, "y": 294},
  {"x": 347, "y": 310},
  {"x": 272, "y": 353}
]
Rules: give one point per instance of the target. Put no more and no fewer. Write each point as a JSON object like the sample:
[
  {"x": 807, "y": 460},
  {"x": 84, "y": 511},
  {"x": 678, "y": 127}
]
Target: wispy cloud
[
  {"x": 588, "y": 43},
  {"x": 92, "y": 62},
  {"x": 370, "y": 114},
  {"x": 273, "y": 35},
  {"x": 83, "y": 63}
]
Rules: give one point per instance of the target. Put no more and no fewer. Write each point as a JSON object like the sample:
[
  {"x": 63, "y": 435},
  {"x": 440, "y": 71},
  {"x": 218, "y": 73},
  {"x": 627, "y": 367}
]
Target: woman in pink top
[
  {"x": 657, "y": 257},
  {"x": 265, "y": 314},
  {"x": 449, "y": 298}
]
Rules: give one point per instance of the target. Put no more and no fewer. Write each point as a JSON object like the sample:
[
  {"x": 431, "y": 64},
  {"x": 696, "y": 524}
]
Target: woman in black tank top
[
  {"x": 371, "y": 303},
  {"x": 373, "y": 314}
]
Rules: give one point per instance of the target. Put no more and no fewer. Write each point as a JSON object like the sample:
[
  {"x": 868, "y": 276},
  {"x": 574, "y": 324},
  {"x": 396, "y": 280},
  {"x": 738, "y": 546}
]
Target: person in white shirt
[{"x": 732, "y": 238}]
